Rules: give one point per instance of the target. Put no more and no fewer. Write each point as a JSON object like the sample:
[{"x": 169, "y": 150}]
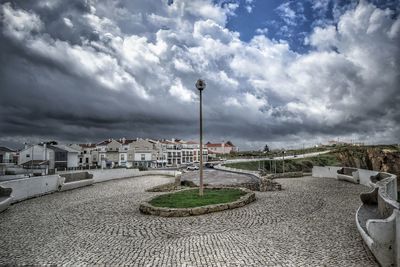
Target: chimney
[
  {"x": 44, "y": 151},
  {"x": 123, "y": 140}
]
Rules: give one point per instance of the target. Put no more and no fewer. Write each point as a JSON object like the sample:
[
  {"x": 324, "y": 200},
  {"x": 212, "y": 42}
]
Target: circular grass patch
[{"x": 190, "y": 198}]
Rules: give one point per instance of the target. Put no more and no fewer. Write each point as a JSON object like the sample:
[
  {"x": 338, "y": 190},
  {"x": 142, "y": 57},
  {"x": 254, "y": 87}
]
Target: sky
[{"x": 282, "y": 73}]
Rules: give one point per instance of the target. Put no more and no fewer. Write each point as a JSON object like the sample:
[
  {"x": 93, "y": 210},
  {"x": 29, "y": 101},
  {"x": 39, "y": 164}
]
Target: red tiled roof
[
  {"x": 127, "y": 141},
  {"x": 227, "y": 144},
  {"x": 214, "y": 145},
  {"x": 105, "y": 142}
]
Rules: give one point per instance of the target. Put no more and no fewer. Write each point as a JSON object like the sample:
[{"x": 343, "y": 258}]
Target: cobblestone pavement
[
  {"x": 309, "y": 223},
  {"x": 216, "y": 177}
]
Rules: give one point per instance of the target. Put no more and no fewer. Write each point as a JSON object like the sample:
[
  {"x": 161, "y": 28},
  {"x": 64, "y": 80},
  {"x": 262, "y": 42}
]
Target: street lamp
[{"x": 201, "y": 85}]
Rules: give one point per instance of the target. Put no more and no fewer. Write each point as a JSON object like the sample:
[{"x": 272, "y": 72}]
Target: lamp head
[{"x": 200, "y": 84}]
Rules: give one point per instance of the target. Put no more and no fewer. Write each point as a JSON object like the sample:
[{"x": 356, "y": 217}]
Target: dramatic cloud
[{"x": 82, "y": 71}]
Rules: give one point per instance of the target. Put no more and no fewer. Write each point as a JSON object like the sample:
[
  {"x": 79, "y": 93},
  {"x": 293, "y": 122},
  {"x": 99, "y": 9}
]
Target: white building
[
  {"x": 179, "y": 152},
  {"x": 72, "y": 155},
  {"x": 144, "y": 152},
  {"x": 7, "y": 155},
  {"x": 36, "y": 155},
  {"x": 48, "y": 156},
  {"x": 87, "y": 156},
  {"x": 222, "y": 148}
]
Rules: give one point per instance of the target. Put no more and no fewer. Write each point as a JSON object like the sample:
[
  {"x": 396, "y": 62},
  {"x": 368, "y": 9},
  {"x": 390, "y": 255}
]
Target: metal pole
[
  {"x": 201, "y": 146},
  {"x": 283, "y": 162},
  {"x": 270, "y": 166},
  {"x": 32, "y": 160}
]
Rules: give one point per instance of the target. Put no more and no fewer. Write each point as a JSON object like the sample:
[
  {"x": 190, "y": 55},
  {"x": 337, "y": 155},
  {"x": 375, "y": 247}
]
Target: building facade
[{"x": 222, "y": 148}]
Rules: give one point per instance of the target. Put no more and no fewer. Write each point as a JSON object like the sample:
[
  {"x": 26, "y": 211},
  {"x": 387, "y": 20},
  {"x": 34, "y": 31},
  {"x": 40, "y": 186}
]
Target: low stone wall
[
  {"x": 263, "y": 183},
  {"x": 75, "y": 180},
  {"x": 325, "y": 172},
  {"x": 169, "y": 186},
  {"x": 284, "y": 175},
  {"x": 76, "y": 176},
  {"x": 5, "y": 198},
  {"x": 112, "y": 174},
  {"x": 267, "y": 184},
  {"x": 149, "y": 209},
  {"x": 32, "y": 187},
  {"x": 349, "y": 175},
  {"x": 41, "y": 185},
  {"x": 378, "y": 218}
]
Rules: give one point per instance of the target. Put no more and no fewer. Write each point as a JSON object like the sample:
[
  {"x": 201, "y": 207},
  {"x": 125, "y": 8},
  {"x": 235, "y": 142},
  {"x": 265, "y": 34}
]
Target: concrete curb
[{"x": 149, "y": 209}]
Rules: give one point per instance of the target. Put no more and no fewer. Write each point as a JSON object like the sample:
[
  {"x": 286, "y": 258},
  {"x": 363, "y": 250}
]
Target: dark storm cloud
[{"x": 77, "y": 71}]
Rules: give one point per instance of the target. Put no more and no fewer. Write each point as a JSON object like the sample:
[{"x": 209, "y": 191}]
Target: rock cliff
[{"x": 386, "y": 159}]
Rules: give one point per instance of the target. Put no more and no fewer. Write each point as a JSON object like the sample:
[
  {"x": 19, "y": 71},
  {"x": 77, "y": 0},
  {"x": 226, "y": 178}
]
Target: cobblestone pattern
[{"x": 309, "y": 223}]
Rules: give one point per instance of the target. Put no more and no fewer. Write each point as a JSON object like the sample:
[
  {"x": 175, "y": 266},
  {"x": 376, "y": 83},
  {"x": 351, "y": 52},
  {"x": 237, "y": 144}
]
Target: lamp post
[{"x": 201, "y": 85}]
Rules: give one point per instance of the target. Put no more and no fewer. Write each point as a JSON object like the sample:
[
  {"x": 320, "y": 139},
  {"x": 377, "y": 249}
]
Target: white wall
[
  {"x": 72, "y": 160},
  {"x": 365, "y": 176},
  {"x": 34, "y": 186},
  {"x": 37, "y": 154},
  {"x": 111, "y": 174},
  {"x": 138, "y": 156},
  {"x": 325, "y": 172}
]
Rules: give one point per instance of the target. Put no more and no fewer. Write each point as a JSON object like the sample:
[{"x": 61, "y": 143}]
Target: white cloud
[
  {"x": 19, "y": 24},
  {"x": 263, "y": 31},
  {"x": 323, "y": 38},
  {"x": 263, "y": 82},
  {"x": 181, "y": 92},
  {"x": 249, "y": 9},
  {"x": 68, "y": 22}
]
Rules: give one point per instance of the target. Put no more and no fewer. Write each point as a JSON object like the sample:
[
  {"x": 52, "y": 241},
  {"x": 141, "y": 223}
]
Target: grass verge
[
  {"x": 291, "y": 165},
  {"x": 191, "y": 198}
]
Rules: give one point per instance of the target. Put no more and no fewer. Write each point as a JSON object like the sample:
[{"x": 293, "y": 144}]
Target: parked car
[
  {"x": 209, "y": 165},
  {"x": 192, "y": 168}
]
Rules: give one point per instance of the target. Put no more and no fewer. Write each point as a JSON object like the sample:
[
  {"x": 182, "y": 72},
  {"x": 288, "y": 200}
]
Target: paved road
[
  {"x": 310, "y": 223},
  {"x": 215, "y": 177},
  {"x": 301, "y": 156}
]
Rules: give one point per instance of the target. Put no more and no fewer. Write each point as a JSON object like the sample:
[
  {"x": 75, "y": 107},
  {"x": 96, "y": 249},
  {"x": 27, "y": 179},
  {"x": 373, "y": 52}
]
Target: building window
[
  {"x": 28, "y": 156},
  {"x": 87, "y": 160},
  {"x": 122, "y": 157},
  {"x": 80, "y": 160},
  {"x": 143, "y": 157}
]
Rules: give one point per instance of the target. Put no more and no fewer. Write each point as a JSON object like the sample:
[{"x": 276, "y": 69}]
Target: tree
[{"x": 266, "y": 148}]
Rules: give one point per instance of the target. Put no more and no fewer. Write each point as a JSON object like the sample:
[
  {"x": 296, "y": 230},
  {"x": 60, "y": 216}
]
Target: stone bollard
[
  {"x": 267, "y": 184},
  {"x": 178, "y": 179}
]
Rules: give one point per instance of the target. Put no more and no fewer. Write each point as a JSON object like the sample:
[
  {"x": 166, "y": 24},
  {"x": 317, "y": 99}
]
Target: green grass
[
  {"x": 191, "y": 198},
  {"x": 291, "y": 165}
]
